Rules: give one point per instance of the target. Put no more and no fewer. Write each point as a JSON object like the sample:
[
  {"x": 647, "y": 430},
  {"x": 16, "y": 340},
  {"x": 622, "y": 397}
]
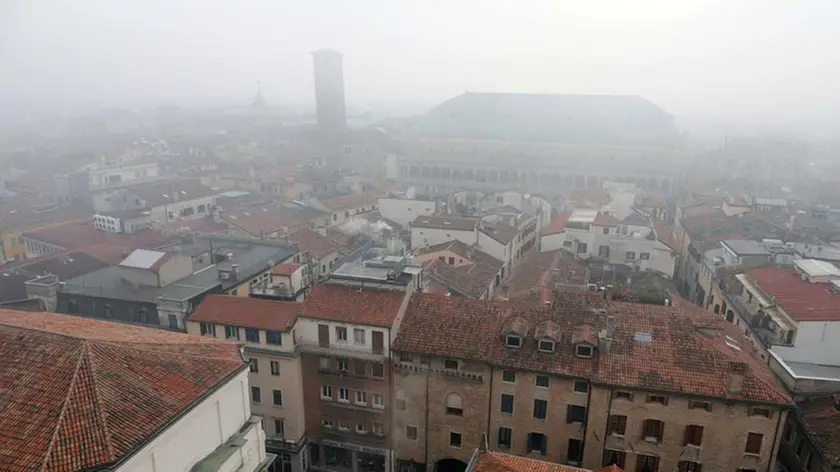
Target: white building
[
  {"x": 590, "y": 234},
  {"x": 405, "y": 210},
  {"x": 101, "y": 176},
  {"x": 163, "y": 419}
]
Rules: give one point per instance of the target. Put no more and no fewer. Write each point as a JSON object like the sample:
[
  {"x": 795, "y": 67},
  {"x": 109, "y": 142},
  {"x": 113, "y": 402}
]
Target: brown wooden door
[
  {"x": 378, "y": 341},
  {"x": 323, "y": 335}
]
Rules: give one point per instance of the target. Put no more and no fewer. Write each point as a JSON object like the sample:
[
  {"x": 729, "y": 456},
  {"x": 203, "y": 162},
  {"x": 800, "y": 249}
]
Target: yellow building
[{"x": 21, "y": 216}]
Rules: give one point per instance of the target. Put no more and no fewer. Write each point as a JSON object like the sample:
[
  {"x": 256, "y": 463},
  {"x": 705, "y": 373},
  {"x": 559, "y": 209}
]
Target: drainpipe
[
  {"x": 489, "y": 405},
  {"x": 586, "y": 423},
  {"x": 773, "y": 450}
]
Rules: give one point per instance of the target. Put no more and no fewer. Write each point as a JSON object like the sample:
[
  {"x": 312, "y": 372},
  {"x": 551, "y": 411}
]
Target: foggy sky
[{"x": 713, "y": 57}]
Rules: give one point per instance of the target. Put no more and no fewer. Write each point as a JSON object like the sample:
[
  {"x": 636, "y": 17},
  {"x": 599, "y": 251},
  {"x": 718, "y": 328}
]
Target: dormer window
[
  {"x": 545, "y": 346},
  {"x": 512, "y": 340},
  {"x": 584, "y": 350}
]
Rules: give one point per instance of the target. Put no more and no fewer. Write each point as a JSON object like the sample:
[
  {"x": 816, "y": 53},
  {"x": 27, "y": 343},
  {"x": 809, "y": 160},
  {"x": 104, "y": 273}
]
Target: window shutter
[
  {"x": 622, "y": 424},
  {"x": 698, "y": 436},
  {"x": 640, "y": 463},
  {"x": 687, "y": 435}
]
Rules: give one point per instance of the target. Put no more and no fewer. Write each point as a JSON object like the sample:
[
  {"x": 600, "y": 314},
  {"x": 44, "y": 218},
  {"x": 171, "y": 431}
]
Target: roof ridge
[
  {"x": 100, "y": 412},
  {"x": 133, "y": 346},
  {"x": 61, "y": 415}
]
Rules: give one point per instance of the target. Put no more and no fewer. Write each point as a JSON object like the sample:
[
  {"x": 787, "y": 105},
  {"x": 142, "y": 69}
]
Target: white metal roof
[
  {"x": 815, "y": 268},
  {"x": 583, "y": 216},
  {"x": 142, "y": 259}
]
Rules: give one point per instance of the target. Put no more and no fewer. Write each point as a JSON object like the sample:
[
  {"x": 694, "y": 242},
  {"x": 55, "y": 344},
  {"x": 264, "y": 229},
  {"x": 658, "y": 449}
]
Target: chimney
[
  {"x": 235, "y": 270},
  {"x": 610, "y": 325},
  {"x": 605, "y": 336},
  {"x": 735, "y": 379},
  {"x": 608, "y": 293}
]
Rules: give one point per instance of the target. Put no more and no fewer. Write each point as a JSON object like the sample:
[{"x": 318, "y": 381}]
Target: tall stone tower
[{"x": 329, "y": 92}]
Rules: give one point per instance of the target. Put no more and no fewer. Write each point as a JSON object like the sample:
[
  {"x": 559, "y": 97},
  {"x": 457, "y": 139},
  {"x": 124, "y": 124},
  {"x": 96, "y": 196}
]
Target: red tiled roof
[
  {"x": 351, "y": 200},
  {"x": 537, "y": 274},
  {"x": 360, "y": 305},
  {"x": 247, "y": 312},
  {"x": 688, "y": 353},
  {"x": 590, "y": 198},
  {"x": 664, "y": 234},
  {"x": 654, "y": 201},
  {"x": 78, "y": 393},
  {"x": 557, "y": 226},
  {"x": 286, "y": 268},
  {"x": 802, "y": 300},
  {"x": 493, "y": 461},
  {"x": 604, "y": 219},
  {"x": 822, "y": 422},
  {"x": 316, "y": 243},
  {"x": 80, "y": 235}
]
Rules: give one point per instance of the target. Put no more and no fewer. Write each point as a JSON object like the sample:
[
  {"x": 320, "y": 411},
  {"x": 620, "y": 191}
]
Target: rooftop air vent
[{"x": 643, "y": 338}]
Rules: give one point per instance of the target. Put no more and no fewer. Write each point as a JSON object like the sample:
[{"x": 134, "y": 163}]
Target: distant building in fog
[{"x": 329, "y": 92}]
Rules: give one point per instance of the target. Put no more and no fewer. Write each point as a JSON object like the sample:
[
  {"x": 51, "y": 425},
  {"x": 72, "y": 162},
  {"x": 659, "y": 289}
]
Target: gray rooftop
[
  {"x": 744, "y": 247},
  {"x": 251, "y": 256}
]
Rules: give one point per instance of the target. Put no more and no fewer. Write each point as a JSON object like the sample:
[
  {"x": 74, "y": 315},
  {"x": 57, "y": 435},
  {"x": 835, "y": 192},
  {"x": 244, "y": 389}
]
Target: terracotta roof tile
[
  {"x": 470, "y": 279},
  {"x": 493, "y": 461},
  {"x": 539, "y": 273},
  {"x": 360, "y": 305},
  {"x": 247, "y": 312},
  {"x": 584, "y": 334},
  {"x": 604, "y": 219},
  {"x": 286, "y": 268},
  {"x": 820, "y": 416},
  {"x": 557, "y": 226},
  {"x": 316, "y": 243},
  {"x": 687, "y": 354},
  {"x": 80, "y": 393},
  {"x": 351, "y": 200},
  {"x": 802, "y": 300}
]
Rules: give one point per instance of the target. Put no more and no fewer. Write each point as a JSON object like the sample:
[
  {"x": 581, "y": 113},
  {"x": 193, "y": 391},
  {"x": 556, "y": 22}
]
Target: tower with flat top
[{"x": 329, "y": 92}]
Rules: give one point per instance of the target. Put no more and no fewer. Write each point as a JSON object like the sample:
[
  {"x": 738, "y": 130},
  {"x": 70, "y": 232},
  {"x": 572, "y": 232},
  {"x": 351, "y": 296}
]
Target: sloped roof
[
  {"x": 79, "y": 393},
  {"x": 247, "y": 312},
  {"x": 316, "y": 243},
  {"x": 351, "y": 200},
  {"x": 537, "y": 273},
  {"x": 688, "y": 352},
  {"x": 493, "y": 461},
  {"x": 170, "y": 191},
  {"x": 557, "y": 226},
  {"x": 567, "y": 118},
  {"x": 359, "y": 305},
  {"x": 470, "y": 280},
  {"x": 802, "y": 300},
  {"x": 822, "y": 422}
]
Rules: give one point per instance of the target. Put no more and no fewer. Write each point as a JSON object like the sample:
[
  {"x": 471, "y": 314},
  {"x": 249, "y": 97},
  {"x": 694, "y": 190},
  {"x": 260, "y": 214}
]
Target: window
[
  {"x": 187, "y": 211},
  {"x": 507, "y": 403},
  {"x": 451, "y": 260},
  {"x": 425, "y": 360},
  {"x": 208, "y": 329},
  {"x": 631, "y": 255},
  {"x": 231, "y": 332},
  {"x": 647, "y": 463},
  {"x": 341, "y": 334},
  {"x": 693, "y": 435},
  {"x": 143, "y": 317},
  {"x": 450, "y": 364},
  {"x": 542, "y": 381},
  {"x": 652, "y": 430},
  {"x": 274, "y": 337},
  {"x": 662, "y": 400},
  {"x": 255, "y": 394},
  {"x": 567, "y": 244},
  {"x": 606, "y": 231},
  {"x": 697, "y": 405},
  {"x": 107, "y": 313},
  {"x": 343, "y": 395},
  {"x": 378, "y": 370},
  {"x": 173, "y": 321},
  {"x": 581, "y": 248},
  {"x": 581, "y": 386},
  {"x": 511, "y": 340},
  {"x": 72, "y": 306},
  {"x": 411, "y": 432},
  {"x": 252, "y": 335},
  {"x": 540, "y": 409},
  {"x": 399, "y": 395},
  {"x": 575, "y": 414},
  {"x": 361, "y": 427},
  {"x": 688, "y": 466},
  {"x": 275, "y": 368},
  {"x": 202, "y": 208},
  {"x": 359, "y": 336},
  {"x": 361, "y": 398},
  {"x": 545, "y": 346},
  {"x": 537, "y": 442},
  {"x": 603, "y": 251},
  {"x": 574, "y": 451},
  {"x": 765, "y": 412},
  {"x": 253, "y": 365},
  {"x": 645, "y": 256},
  {"x": 617, "y": 425},
  {"x": 378, "y": 401},
  {"x": 454, "y": 405},
  {"x": 360, "y": 367},
  {"x": 405, "y": 357},
  {"x": 378, "y": 429},
  {"x": 623, "y": 395},
  {"x": 324, "y": 363},
  {"x": 279, "y": 428},
  {"x": 343, "y": 425},
  {"x": 454, "y": 439},
  {"x": 508, "y": 376},
  {"x": 753, "y": 443},
  {"x": 505, "y": 437},
  {"x": 326, "y": 392},
  {"x": 341, "y": 364},
  {"x": 326, "y": 423},
  {"x": 613, "y": 458},
  {"x": 584, "y": 350},
  {"x": 278, "y": 397}
]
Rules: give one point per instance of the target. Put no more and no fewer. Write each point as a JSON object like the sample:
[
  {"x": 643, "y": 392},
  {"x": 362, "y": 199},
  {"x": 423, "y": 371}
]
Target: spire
[{"x": 259, "y": 100}]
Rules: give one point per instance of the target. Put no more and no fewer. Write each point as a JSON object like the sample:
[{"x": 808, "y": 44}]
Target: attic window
[
  {"x": 584, "y": 350},
  {"x": 545, "y": 346},
  {"x": 512, "y": 340}
]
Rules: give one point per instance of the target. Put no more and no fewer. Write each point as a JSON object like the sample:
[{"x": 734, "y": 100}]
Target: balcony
[
  {"x": 340, "y": 349},
  {"x": 411, "y": 368}
]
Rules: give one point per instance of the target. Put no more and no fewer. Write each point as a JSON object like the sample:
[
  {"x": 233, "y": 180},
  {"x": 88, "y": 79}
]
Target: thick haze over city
[{"x": 744, "y": 65}]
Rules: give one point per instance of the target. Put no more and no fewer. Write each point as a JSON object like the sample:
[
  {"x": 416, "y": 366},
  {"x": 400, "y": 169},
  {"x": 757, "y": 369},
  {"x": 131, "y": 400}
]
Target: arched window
[{"x": 454, "y": 405}]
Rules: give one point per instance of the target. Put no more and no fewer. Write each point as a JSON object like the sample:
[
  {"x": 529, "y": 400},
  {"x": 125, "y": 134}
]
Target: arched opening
[
  {"x": 493, "y": 176},
  {"x": 415, "y": 172},
  {"x": 570, "y": 180},
  {"x": 545, "y": 180},
  {"x": 468, "y": 174},
  {"x": 456, "y": 174},
  {"x": 481, "y": 175},
  {"x": 450, "y": 465},
  {"x": 523, "y": 179},
  {"x": 556, "y": 179},
  {"x": 592, "y": 181},
  {"x": 445, "y": 173},
  {"x": 665, "y": 185},
  {"x": 533, "y": 178},
  {"x": 580, "y": 181},
  {"x": 435, "y": 172},
  {"x": 426, "y": 173}
]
